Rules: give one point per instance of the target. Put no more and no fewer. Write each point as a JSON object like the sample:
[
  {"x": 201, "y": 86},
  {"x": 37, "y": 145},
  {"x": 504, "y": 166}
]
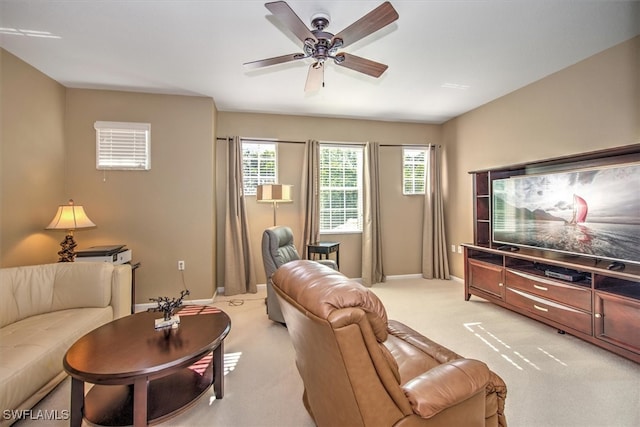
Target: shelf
[
  {"x": 617, "y": 286},
  {"x": 482, "y": 209},
  {"x": 488, "y": 257},
  {"x": 482, "y": 183}
]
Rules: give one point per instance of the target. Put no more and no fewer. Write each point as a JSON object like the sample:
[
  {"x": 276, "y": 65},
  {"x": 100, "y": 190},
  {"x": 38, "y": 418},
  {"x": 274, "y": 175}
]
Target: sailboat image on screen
[{"x": 580, "y": 210}]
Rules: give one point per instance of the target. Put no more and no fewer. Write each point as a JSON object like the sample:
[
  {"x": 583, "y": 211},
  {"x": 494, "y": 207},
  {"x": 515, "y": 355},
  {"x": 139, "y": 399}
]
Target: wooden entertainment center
[{"x": 591, "y": 301}]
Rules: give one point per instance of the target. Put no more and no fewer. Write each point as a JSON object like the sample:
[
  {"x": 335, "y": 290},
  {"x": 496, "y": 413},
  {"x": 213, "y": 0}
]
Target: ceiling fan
[{"x": 321, "y": 45}]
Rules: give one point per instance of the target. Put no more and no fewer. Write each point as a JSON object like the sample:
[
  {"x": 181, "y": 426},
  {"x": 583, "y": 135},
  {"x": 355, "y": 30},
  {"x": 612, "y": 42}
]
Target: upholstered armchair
[
  {"x": 360, "y": 369},
  {"x": 277, "y": 249}
]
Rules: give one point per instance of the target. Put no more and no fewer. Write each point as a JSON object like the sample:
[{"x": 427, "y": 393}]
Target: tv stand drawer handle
[
  {"x": 542, "y": 288},
  {"x": 537, "y": 307}
]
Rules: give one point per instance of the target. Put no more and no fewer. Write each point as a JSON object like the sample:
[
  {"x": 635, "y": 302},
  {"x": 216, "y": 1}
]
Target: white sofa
[{"x": 44, "y": 309}]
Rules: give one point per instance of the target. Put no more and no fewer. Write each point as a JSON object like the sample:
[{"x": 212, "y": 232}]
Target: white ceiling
[{"x": 198, "y": 48}]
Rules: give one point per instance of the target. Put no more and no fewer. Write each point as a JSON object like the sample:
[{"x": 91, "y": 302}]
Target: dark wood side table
[
  {"x": 324, "y": 248},
  {"x": 144, "y": 376}
]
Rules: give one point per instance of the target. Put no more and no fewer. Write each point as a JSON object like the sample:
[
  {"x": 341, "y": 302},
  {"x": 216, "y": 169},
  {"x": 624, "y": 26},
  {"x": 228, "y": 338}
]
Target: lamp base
[{"x": 67, "y": 253}]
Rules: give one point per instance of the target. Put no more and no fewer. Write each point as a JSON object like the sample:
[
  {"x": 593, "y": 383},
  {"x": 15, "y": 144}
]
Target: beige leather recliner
[{"x": 359, "y": 369}]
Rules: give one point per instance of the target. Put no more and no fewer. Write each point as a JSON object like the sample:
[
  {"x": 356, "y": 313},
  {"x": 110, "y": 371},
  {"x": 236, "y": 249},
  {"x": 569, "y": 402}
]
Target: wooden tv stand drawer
[
  {"x": 560, "y": 313},
  {"x": 568, "y": 294}
]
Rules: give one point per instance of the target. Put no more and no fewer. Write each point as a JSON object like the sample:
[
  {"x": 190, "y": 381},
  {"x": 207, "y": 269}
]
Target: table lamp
[
  {"x": 69, "y": 217},
  {"x": 274, "y": 193}
]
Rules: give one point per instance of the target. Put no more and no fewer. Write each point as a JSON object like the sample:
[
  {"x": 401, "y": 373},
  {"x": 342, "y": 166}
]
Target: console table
[
  {"x": 598, "y": 305},
  {"x": 324, "y": 248}
]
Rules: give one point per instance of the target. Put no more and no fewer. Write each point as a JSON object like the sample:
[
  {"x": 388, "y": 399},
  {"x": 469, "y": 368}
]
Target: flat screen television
[{"x": 591, "y": 212}]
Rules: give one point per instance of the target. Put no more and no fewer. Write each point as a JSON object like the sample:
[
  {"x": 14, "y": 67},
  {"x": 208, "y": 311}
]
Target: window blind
[
  {"x": 341, "y": 169},
  {"x": 413, "y": 170},
  {"x": 123, "y": 145},
  {"x": 259, "y": 165}
]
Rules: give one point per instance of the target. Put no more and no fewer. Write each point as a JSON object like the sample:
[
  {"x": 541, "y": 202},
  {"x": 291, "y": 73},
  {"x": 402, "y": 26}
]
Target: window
[
  {"x": 340, "y": 188},
  {"x": 414, "y": 166},
  {"x": 259, "y": 165},
  {"x": 123, "y": 146}
]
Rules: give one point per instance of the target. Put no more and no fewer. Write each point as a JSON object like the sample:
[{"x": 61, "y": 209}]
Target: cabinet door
[
  {"x": 486, "y": 278},
  {"x": 617, "y": 321}
]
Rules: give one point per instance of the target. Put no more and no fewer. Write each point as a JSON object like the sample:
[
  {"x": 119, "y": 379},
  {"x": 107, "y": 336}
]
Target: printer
[{"x": 115, "y": 254}]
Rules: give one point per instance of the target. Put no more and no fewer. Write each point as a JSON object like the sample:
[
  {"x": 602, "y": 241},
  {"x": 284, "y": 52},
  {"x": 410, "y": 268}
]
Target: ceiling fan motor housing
[{"x": 323, "y": 48}]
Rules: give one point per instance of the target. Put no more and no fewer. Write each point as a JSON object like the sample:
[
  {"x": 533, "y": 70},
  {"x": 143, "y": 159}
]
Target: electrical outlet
[
  {"x": 453, "y": 248},
  {"x": 459, "y": 249},
  {"x": 180, "y": 265}
]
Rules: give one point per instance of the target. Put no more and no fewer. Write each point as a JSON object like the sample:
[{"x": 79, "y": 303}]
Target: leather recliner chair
[
  {"x": 360, "y": 369},
  {"x": 278, "y": 249}
]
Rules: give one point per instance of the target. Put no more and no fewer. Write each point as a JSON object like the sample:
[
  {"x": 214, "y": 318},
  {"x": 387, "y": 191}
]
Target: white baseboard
[
  {"x": 419, "y": 276},
  {"x": 147, "y": 306},
  {"x": 404, "y": 276},
  {"x": 260, "y": 286}
]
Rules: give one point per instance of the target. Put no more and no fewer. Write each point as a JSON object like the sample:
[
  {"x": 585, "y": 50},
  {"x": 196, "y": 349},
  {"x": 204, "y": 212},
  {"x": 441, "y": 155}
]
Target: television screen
[{"x": 590, "y": 212}]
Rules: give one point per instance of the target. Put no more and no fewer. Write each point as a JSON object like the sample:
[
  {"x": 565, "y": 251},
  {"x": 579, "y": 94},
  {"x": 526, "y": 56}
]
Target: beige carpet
[{"x": 553, "y": 379}]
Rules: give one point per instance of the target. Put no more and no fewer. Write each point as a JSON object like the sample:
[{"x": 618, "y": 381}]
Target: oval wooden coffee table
[{"x": 144, "y": 375}]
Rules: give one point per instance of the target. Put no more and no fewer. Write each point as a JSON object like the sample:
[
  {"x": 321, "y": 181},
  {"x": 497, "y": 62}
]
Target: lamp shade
[
  {"x": 269, "y": 193},
  {"x": 70, "y": 217}
]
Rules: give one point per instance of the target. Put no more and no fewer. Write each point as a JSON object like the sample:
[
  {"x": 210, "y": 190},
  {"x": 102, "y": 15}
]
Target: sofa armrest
[
  {"x": 121, "y": 290},
  {"x": 446, "y": 385}
]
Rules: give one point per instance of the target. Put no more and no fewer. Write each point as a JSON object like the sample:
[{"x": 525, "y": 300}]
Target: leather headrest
[
  {"x": 279, "y": 236},
  {"x": 322, "y": 290}
]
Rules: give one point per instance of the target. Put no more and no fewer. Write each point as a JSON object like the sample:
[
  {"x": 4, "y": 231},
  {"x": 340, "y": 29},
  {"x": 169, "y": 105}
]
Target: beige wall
[
  {"x": 47, "y": 130},
  {"x": 165, "y": 214},
  {"x": 401, "y": 215},
  {"x": 591, "y": 105},
  {"x": 32, "y": 162}
]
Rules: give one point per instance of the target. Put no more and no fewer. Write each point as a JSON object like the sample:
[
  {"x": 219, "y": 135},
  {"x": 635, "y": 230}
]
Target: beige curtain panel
[
  {"x": 372, "y": 271},
  {"x": 435, "y": 264},
  {"x": 310, "y": 193},
  {"x": 239, "y": 272}
]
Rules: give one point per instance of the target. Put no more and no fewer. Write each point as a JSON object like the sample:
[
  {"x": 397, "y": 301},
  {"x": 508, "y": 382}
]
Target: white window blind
[
  {"x": 341, "y": 170},
  {"x": 414, "y": 166},
  {"x": 123, "y": 146},
  {"x": 259, "y": 165}
]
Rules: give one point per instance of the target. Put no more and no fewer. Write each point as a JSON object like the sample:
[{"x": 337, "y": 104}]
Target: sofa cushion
[
  {"x": 326, "y": 290},
  {"x": 31, "y": 290},
  {"x": 33, "y": 348}
]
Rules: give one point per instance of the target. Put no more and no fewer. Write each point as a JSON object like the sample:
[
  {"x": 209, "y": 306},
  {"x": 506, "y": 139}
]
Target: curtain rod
[
  {"x": 410, "y": 145},
  {"x": 220, "y": 138}
]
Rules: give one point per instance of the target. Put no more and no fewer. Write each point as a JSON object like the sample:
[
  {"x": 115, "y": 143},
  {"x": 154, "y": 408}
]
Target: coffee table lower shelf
[{"x": 112, "y": 405}]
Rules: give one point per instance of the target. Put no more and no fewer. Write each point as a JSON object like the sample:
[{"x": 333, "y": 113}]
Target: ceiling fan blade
[
  {"x": 378, "y": 18},
  {"x": 315, "y": 77},
  {"x": 362, "y": 65},
  {"x": 287, "y": 16},
  {"x": 275, "y": 60}
]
